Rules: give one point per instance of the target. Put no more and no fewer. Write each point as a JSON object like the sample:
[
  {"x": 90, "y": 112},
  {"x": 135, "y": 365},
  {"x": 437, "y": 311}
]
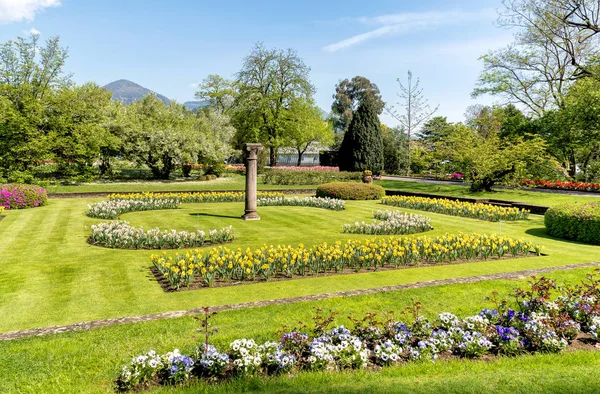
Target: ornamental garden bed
[{"x": 198, "y": 283}]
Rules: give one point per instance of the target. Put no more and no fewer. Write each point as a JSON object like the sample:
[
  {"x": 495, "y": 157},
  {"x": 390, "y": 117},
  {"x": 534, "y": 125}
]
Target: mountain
[
  {"x": 192, "y": 105},
  {"x": 128, "y": 92}
]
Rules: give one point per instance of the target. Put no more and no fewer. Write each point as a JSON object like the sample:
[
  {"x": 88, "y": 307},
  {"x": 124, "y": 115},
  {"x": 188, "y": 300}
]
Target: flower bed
[
  {"x": 315, "y": 202},
  {"x": 389, "y": 223},
  {"x": 574, "y": 221},
  {"x": 119, "y": 204},
  {"x": 121, "y": 235},
  {"x": 531, "y": 323},
  {"x": 112, "y": 209},
  {"x": 18, "y": 196},
  {"x": 225, "y": 265},
  {"x": 312, "y": 168},
  {"x": 560, "y": 185},
  {"x": 457, "y": 208},
  {"x": 308, "y": 176},
  {"x": 350, "y": 191}
]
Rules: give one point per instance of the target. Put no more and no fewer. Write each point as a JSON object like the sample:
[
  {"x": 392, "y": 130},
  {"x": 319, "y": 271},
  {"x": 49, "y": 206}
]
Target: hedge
[
  {"x": 350, "y": 191},
  {"x": 19, "y": 196},
  {"x": 574, "y": 221}
]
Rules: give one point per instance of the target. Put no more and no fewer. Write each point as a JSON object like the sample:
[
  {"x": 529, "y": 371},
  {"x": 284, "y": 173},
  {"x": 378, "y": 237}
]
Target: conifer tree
[{"x": 362, "y": 147}]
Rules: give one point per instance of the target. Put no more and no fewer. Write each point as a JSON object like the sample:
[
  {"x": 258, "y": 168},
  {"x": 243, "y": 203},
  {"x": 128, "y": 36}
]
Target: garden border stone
[{"x": 89, "y": 325}]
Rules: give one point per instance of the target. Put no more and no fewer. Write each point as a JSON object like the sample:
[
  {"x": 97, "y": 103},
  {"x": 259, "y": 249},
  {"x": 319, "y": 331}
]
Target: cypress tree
[{"x": 362, "y": 147}]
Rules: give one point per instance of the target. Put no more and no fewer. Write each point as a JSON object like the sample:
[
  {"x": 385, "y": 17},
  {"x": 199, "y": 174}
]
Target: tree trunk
[
  {"x": 272, "y": 156},
  {"x": 572, "y": 165}
]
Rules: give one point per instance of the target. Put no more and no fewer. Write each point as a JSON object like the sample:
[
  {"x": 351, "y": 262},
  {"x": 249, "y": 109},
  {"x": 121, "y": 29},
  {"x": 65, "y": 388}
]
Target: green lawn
[
  {"x": 536, "y": 198},
  {"x": 228, "y": 182},
  {"x": 89, "y": 361},
  {"x": 52, "y": 276}
]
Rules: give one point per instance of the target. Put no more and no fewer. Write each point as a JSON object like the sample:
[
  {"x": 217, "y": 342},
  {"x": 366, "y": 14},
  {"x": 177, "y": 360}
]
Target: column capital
[{"x": 253, "y": 149}]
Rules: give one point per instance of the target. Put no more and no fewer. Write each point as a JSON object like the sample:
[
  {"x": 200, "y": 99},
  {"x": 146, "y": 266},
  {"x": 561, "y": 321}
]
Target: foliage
[
  {"x": 390, "y": 222},
  {"x": 362, "y": 147},
  {"x": 350, "y": 191},
  {"x": 225, "y": 264},
  {"x": 219, "y": 92},
  {"x": 349, "y": 95},
  {"x": 270, "y": 81},
  {"x": 315, "y": 202},
  {"x": 121, "y": 235},
  {"x": 305, "y": 126},
  {"x": 308, "y": 176},
  {"x": 575, "y": 221},
  {"x": 457, "y": 208},
  {"x": 15, "y": 196},
  {"x": 395, "y": 145},
  {"x": 487, "y": 160}
]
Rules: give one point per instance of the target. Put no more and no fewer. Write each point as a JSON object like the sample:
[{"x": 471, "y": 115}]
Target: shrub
[
  {"x": 351, "y": 191},
  {"x": 18, "y": 196},
  {"x": 574, "y": 221},
  {"x": 308, "y": 177}
]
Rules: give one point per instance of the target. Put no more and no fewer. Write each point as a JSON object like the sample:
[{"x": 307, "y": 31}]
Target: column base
[{"x": 251, "y": 216}]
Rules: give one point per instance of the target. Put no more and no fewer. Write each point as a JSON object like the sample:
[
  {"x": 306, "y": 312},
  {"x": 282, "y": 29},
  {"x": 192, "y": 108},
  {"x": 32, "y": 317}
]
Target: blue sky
[{"x": 167, "y": 46}]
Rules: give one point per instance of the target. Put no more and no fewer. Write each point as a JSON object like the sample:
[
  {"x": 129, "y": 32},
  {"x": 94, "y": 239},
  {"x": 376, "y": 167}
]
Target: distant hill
[
  {"x": 127, "y": 92},
  {"x": 192, "y": 105}
]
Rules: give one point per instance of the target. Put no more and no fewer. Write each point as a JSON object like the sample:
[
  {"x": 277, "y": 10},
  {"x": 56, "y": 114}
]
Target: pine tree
[{"x": 362, "y": 147}]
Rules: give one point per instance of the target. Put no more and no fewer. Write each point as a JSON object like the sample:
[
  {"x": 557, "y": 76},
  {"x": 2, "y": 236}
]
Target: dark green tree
[
  {"x": 362, "y": 147},
  {"x": 349, "y": 94}
]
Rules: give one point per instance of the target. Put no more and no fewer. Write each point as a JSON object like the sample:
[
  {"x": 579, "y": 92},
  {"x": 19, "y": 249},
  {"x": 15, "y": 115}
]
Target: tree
[
  {"x": 162, "y": 136},
  {"x": 349, "y": 94},
  {"x": 488, "y": 160},
  {"x": 416, "y": 110},
  {"x": 362, "y": 148},
  {"x": 305, "y": 126},
  {"x": 394, "y": 145},
  {"x": 216, "y": 136},
  {"x": 219, "y": 92},
  {"x": 435, "y": 130},
  {"x": 269, "y": 82},
  {"x": 552, "y": 49}
]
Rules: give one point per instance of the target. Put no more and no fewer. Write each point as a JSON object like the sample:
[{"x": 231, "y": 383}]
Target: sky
[{"x": 170, "y": 46}]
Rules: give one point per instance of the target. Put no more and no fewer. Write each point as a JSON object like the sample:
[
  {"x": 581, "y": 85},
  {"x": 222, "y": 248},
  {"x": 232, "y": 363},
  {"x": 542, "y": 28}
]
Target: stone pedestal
[{"x": 251, "y": 166}]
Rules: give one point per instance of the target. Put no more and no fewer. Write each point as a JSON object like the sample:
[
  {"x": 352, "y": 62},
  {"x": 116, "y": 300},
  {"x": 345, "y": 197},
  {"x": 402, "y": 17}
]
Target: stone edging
[{"x": 83, "y": 326}]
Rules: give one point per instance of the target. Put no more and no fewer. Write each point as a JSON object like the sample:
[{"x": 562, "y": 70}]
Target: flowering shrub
[
  {"x": 312, "y": 168},
  {"x": 560, "y": 185},
  {"x": 308, "y": 176},
  {"x": 457, "y": 208},
  {"x": 575, "y": 221},
  {"x": 18, "y": 196},
  {"x": 390, "y": 222},
  {"x": 121, "y": 235},
  {"x": 350, "y": 191},
  {"x": 315, "y": 202},
  {"x": 535, "y": 327},
  {"x": 119, "y": 204},
  {"x": 224, "y": 264}
]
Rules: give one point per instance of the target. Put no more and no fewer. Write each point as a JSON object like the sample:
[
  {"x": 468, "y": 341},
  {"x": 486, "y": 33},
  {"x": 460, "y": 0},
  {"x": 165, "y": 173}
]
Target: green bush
[
  {"x": 574, "y": 221},
  {"x": 215, "y": 169},
  {"x": 308, "y": 177},
  {"x": 351, "y": 191}
]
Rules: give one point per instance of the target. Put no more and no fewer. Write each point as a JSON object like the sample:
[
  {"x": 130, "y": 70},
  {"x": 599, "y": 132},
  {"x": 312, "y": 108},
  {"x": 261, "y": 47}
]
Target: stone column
[{"x": 251, "y": 165}]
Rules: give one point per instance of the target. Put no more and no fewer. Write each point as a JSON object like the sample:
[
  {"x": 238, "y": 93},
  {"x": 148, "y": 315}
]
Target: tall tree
[
  {"x": 553, "y": 47},
  {"x": 349, "y": 94},
  {"x": 218, "y": 91},
  {"x": 306, "y": 126},
  {"x": 414, "y": 109},
  {"x": 269, "y": 82},
  {"x": 362, "y": 147}
]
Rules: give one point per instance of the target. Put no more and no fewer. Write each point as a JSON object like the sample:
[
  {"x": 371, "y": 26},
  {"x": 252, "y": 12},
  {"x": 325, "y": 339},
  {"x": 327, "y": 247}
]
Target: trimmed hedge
[
  {"x": 574, "y": 221},
  {"x": 308, "y": 177},
  {"x": 351, "y": 191},
  {"x": 18, "y": 196}
]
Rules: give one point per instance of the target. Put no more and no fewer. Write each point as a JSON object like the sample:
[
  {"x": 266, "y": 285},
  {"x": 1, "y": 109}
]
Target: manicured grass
[
  {"x": 51, "y": 276},
  {"x": 89, "y": 361},
  {"x": 536, "y": 198},
  {"x": 227, "y": 182}
]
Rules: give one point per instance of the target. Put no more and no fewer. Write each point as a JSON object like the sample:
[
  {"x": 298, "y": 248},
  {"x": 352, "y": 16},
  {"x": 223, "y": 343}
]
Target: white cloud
[
  {"x": 18, "y": 10},
  {"x": 408, "y": 22},
  {"x": 33, "y": 30}
]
